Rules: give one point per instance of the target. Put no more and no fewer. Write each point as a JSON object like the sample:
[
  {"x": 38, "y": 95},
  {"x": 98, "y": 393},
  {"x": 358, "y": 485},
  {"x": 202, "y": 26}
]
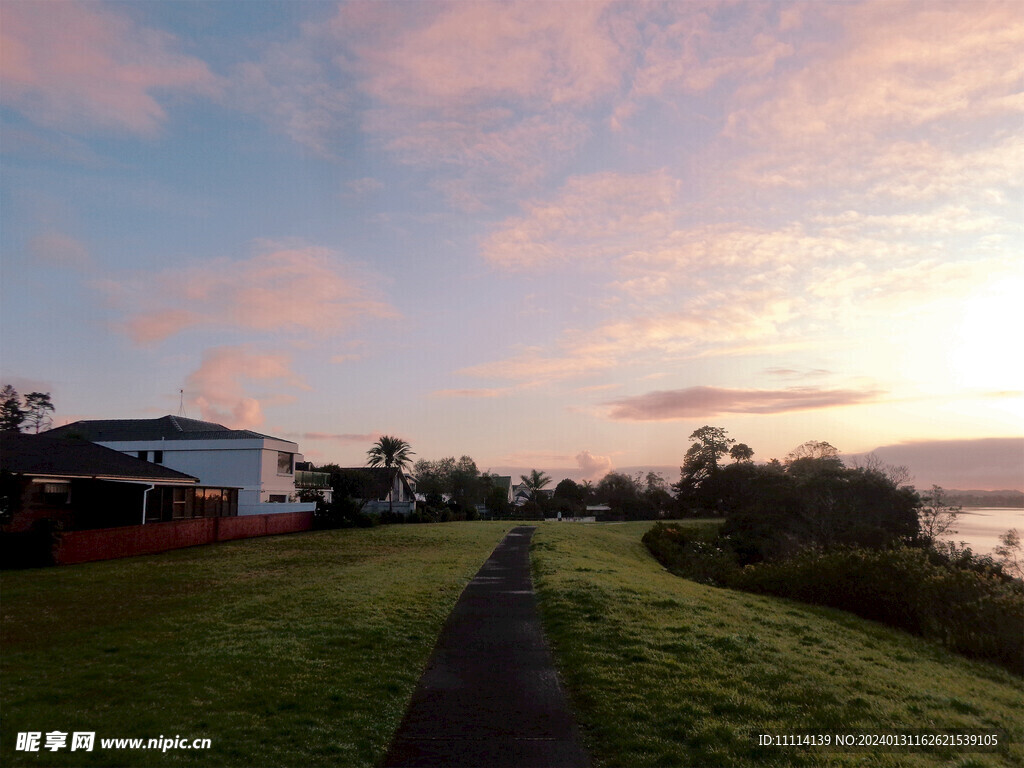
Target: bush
[
  {"x": 31, "y": 549},
  {"x": 694, "y": 553},
  {"x": 342, "y": 513},
  {"x": 972, "y": 610}
]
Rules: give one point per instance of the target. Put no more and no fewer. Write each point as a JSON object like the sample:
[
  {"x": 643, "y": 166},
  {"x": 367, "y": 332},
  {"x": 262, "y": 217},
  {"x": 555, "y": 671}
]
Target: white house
[{"x": 261, "y": 467}]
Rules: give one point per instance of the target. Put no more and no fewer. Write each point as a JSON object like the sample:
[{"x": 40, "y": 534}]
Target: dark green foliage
[
  {"x": 569, "y": 498},
  {"x": 816, "y": 502},
  {"x": 693, "y": 553},
  {"x": 389, "y": 452},
  {"x": 626, "y": 496},
  {"x": 28, "y": 549},
  {"x": 697, "y": 487},
  {"x": 11, "y": 413},
  {"x": 945, "y": 593},
  {"x": 38, "y": 408},
  {"x": 973, "y": 610}
]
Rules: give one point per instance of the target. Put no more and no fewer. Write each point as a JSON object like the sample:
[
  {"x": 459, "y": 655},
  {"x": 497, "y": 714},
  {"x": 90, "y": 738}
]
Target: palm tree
[
  {"x": 389, "y": 452},
  {"x": 535, "y": 481}
]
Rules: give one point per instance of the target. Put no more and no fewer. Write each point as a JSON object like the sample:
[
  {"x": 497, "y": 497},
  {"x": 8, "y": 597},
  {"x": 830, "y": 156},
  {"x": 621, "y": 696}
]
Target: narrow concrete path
[{"x": 490, "y": 696}]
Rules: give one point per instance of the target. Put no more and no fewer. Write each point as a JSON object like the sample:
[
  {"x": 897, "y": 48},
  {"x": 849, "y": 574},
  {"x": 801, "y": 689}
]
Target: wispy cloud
[
  {"x": 287, "y": 290},
  {"x": 84, "y": 66},
  {"x": 591, "y": 219},
  {"x": 473, "y": 393},
  {"x": 364, "y": 439},
  {"x": 898, "y": 65},
  {"x": 59, "y": 250},
  {"x": 697, "y": 402}
]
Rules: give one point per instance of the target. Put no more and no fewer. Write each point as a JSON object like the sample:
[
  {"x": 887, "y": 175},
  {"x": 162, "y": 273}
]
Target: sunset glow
[{"x": 543, "y": 234}]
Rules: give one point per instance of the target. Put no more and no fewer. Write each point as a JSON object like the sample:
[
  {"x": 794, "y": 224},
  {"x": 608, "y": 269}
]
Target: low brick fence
[{"x": 127, "y": 541}]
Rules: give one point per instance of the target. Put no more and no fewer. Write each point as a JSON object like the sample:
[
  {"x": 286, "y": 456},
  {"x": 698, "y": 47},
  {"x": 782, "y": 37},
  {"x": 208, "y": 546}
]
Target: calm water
[{"x": 981, "y": 527}]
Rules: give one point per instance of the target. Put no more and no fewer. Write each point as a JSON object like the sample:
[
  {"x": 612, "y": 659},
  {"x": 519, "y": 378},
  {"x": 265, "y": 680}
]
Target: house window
[
  {"x": 158, "y": 457},
  {"x": 285, "y": 463},
  {"x": 278, "y": 499},
  {"x": 144, "y": 455},
  {"x": 56, "y": 493},
  {"x": 178, "y": 506}
]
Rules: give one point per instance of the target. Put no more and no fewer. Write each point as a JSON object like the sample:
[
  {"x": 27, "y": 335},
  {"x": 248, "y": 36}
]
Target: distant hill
[{"x": 985, "y": 498}]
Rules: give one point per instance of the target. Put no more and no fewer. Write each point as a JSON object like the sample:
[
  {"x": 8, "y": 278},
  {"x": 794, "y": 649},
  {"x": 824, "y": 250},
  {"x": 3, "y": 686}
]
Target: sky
[{"x": 560, "y": 235}]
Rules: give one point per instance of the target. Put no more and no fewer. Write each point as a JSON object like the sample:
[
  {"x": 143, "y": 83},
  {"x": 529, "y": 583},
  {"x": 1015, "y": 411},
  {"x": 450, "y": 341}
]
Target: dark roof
[
  {"x": 369, "y": 482},
  {"x": 502, "y": 481},
  {"x": 164, "y": 428},
  {"x": 46, "y": 456}
]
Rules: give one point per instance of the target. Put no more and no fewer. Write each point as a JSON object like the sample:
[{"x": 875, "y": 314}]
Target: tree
[
  {"x": 535, "y": 481},
  {"x": 496, "y": 501},
  {"x": 464, "y": 486},
  {"x": 741, "y": 452},
  {"x": 11, "y": 413},
  {"x": 38, "y": 408},
  {"x": 813, "y": 449},
  {"x": 700, "y": 466},
  {"x": 568, "y": 497},
  {"x": 1010, "y": 554},
  {"x": 389, "y": 452},
  {"x": 937, "y": 517},
  {"x": 898, "y": 474},
  {"x": 625, "y": 495}
]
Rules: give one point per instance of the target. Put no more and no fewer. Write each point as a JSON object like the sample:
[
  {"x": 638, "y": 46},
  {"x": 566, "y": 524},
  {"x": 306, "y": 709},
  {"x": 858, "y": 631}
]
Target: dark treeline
[{"x": 855, "y": 538}]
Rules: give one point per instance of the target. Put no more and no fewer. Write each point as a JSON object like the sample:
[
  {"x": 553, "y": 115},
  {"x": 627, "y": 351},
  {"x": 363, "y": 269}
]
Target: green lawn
[
  {"x": 666, "y": 672},
  {"x": 284, "y": 651},
  {"x": 303, "y": 650}
]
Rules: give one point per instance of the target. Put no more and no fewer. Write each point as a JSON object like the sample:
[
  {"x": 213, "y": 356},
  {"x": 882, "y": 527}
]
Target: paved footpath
[{"x": 490, "y": 697}]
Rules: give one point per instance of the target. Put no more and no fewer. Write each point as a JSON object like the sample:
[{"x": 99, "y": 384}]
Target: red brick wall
[{"x": 111, "y": 543}]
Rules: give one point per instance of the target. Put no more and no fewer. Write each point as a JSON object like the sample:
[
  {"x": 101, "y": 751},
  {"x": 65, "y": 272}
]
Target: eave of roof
[{"x": 111, "y": 478}]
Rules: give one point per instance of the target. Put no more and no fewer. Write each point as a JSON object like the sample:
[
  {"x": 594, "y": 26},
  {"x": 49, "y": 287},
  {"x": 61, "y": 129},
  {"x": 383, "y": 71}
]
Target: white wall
[{"x": 249, "y": 465}]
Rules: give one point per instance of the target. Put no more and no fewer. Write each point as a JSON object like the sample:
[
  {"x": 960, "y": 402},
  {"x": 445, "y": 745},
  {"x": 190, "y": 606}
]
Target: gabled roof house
[
  {"x": 379, "y": 489},
  {"x": 260, "y": 466},
  {"x": 78, "y": 485}
]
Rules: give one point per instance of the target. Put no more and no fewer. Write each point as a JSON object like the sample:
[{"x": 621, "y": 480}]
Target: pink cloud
[
  {"x": 466, "y": 53},
  {"x": 592, "y": 218},
  {"x": 698, "y": 402},
  {"x": 218, "y": 387},
  {"x": 593, "y": 467},
  {"x": 60, "y": 250},
  {"x": 692, "y": 51},
  {"x": 472, "y": 393},
  {"x": 535, "y": 368},
  {"x": 896, "y": 66},
  {"x": 288, "y": 290},
  {"x": 76, "y": 65}
]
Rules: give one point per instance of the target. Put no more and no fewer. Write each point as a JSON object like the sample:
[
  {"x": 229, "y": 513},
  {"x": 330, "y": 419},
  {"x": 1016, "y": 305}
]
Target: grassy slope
[
  {"x": 285, "y": 651},
  {"x": 664, "y": 671}
]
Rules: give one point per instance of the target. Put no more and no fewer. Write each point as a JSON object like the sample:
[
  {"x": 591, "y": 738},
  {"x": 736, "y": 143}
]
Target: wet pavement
[{"x": 490, "y": 696}]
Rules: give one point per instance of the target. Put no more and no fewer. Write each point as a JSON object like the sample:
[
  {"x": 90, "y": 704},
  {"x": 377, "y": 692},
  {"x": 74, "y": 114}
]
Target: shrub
[
  {"x": 694, "y": 553},
  {"x": 973, "y": 611}
]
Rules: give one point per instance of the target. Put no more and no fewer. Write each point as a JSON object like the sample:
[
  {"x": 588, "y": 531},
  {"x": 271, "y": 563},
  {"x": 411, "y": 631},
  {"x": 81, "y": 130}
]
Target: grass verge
[
  {"x": 285, "y": 651},
  {"x": 666, "y": 672}
]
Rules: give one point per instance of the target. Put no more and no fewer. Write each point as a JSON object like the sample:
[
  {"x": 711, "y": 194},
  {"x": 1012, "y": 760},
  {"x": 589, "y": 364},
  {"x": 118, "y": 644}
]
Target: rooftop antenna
[{"x": 181, "y": 405}]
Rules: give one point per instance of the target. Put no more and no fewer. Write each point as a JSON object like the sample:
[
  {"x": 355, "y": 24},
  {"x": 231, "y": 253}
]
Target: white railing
[{"x": 271, "y": 508}]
